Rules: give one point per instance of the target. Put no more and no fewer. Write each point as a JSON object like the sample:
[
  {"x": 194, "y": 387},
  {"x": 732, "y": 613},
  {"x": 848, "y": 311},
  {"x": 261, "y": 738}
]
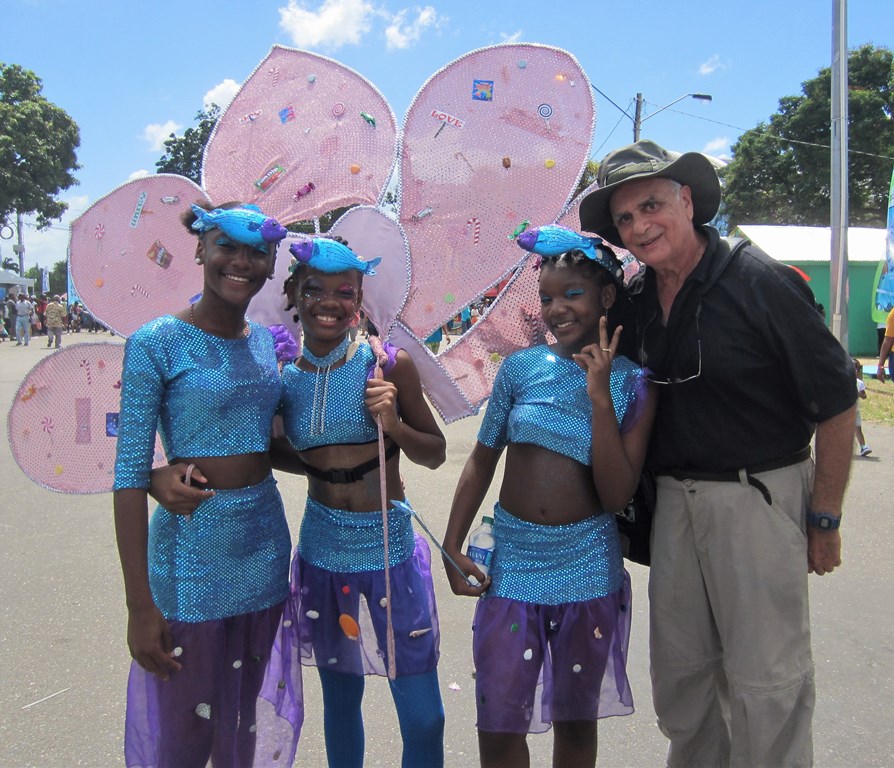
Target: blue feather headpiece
[
  {"x": 553, "y": 240},
  {"x": 328, "y": 255}
]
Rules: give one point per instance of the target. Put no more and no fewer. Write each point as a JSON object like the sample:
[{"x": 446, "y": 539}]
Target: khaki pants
[{"x": 732, "y": 672}]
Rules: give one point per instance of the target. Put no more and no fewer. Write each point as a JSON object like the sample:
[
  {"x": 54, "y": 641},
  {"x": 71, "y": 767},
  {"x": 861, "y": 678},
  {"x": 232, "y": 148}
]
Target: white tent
[{"x": 799, "y": 244}]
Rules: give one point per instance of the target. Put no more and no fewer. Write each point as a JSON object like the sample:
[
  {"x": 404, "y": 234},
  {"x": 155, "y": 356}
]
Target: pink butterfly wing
[
  {"x": 498, "y": 136},
  {"x": 372, "y": 234},
  {"x": 63, "y": 421},
  {"x": 305, "y": 135},
  {"x": 130, "y": 258}
]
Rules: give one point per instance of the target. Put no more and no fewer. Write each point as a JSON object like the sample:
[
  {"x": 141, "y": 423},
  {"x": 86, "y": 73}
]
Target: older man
[{"x": 749, "y": 373}]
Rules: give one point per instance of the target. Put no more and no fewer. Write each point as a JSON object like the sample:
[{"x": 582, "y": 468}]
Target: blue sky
[{"x": 130, "y": 73}]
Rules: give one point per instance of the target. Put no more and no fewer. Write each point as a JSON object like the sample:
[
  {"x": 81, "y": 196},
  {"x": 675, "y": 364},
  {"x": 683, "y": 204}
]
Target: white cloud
[
  {"x": 712, "y": 64},
  {"x": 513, "y": 38},
  {"x": 157, "y": 133},
  {"x": 721, "y": 143},
  {"x": 221, "y": 94},
  {"x": 402, "y": 34},
  {"x": 140, "y": 174},
  {"x": 717, "y": 151},
  {"x": 335, "y": 22}
]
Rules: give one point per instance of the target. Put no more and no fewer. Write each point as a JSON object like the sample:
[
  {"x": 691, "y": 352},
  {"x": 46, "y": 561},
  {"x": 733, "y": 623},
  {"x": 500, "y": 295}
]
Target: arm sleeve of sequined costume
[
  {"x": 638, "y": 384},
  {"x": 495, "y": 425},
  {"x": 142, "y": 389}
]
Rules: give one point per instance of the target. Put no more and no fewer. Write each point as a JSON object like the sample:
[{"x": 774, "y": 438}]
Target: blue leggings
[{"x": 420, "y": 713}]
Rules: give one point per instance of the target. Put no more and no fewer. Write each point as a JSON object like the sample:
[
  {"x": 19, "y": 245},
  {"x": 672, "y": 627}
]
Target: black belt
[
  {"x": 734, "y": 475},
  {"x": 350, "y": 474}
]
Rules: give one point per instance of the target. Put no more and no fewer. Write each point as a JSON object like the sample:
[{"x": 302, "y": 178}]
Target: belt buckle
[{"x": 342, "y": 476}]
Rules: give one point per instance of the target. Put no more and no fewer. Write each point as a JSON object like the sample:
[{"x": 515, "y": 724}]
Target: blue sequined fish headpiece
[
  {"x": 328, "y": 255},
  {"x": 553, "y": 240},
  {"x": 245, "y": 224}
]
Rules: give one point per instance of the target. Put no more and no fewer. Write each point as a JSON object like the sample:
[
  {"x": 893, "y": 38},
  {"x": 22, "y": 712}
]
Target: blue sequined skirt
[
  {"x": 231, "y": 557},
  {"x": 550, "y": 638},
  {"x": 338, "y": 593},
  {"x": 554, "y": 564}
]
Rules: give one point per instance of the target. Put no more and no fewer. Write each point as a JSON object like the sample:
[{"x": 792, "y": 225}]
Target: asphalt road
[{"x": 64, "y": 662}]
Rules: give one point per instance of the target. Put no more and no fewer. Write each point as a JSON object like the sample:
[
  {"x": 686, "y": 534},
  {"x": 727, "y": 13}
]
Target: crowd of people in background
[{"x": 25, "y": 316}]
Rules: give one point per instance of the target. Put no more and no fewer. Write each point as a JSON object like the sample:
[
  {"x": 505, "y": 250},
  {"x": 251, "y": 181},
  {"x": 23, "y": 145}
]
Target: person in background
[
  {"x": 24, "y": 312},
  {"x": 76, "y": 313},
  {"x": 55, "y": 319},
  {"x": 465, "y": 319},
  {"x": 742, "y": 514},
  {"x": 433, "y": 342},
  {"x": 865, "y": 450},
  {"x": 10, "y": 313},
  {"x": 886, "y": 352}
]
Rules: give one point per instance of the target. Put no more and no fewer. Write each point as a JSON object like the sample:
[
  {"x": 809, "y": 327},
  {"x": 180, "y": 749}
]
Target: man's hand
[{"x": 823, "y": 550}]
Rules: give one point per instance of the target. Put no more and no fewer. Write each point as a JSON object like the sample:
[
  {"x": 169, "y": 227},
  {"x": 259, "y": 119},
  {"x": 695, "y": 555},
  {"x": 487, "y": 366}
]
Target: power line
[{"x": 779, "y": 138}]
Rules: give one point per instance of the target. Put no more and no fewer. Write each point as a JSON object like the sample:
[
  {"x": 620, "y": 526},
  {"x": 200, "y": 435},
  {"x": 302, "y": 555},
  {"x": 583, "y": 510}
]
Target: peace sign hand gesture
[{"x": 596, "y": 361}]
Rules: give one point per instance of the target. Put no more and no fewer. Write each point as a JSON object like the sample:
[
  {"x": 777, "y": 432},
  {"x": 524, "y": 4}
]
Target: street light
[{"x": 638, "y": 119}]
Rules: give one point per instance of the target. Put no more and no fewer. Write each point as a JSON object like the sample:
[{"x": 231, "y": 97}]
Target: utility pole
[
  {"x": 19, "y": 247},
  {"x": 638, "y": 118},
  {"x": 838, "y": 288}
]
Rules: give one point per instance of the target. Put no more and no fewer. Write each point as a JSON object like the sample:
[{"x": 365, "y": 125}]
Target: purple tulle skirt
[
  {"x": 535, "y": 664},
  {"x": 341, "y": 614},
  {"x": 237, "y": 700}
]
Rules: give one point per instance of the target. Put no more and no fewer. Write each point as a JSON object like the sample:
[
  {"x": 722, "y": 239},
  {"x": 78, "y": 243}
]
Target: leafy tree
[
  {"x": 781, "y": 170},
  {"x": 37, "y": 148},
  {"x": 183, "y": 155},
  {"x": 11, "y": 265},
  {"x": 59, "y": 278},
  {"x": 588, "y": 177}
]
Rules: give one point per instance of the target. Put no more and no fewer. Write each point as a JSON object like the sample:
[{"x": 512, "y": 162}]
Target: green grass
[{"x": 878, "y": 407}]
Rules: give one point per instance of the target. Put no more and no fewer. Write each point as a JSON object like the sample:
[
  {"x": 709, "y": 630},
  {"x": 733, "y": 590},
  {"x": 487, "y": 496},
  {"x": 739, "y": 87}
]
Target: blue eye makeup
[{"x": 574, "y": 293}]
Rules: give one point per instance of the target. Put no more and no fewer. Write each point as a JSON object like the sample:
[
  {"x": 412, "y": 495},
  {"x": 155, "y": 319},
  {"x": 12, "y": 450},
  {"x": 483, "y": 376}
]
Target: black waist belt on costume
[
  {"x": 350, "y": 474},
  {"x": 735, "y": 475}
]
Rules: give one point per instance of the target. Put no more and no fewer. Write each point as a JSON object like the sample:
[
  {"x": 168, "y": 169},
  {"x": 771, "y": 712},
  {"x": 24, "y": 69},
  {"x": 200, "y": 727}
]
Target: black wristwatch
[{"x": 823, "y": 520}]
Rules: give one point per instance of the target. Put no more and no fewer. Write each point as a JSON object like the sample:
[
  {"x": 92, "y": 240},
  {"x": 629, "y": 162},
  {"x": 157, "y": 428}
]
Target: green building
[{"x": 809, "y": 249}]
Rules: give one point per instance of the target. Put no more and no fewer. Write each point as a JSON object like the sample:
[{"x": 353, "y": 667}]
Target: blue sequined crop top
[
  {"x": 339, "y": 416},
  {"x": 541, "y": 398},
  {"x": 207, "y": 396}
]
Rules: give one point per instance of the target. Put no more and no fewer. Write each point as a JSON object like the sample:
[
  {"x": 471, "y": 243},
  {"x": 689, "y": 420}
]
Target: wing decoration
[
  {"x": 304, "y": 135},
  {"x": 63, "y": 422},
  {"x": 130, "y": 258},
  {"x": 497, "y": 137}
]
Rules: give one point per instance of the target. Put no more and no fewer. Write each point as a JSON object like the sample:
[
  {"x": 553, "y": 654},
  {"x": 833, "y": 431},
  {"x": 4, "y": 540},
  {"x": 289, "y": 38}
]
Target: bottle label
[{"x": 480, "y": 556}]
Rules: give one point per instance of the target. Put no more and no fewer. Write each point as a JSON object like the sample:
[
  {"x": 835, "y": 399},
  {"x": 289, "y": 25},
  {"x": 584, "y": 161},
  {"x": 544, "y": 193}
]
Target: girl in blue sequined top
[
  {"x": 554, "y": 618},
  {"x": 330, "y": 403},
  {"x": 206, "y": 592}
]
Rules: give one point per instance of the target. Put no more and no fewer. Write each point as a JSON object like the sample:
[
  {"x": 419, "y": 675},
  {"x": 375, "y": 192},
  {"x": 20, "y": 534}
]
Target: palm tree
[{"x": 11, "y": 264}]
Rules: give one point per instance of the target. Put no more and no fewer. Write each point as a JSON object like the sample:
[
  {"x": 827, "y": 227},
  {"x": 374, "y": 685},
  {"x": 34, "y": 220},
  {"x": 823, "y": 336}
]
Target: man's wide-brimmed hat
[{"x": 644, "y": 160}]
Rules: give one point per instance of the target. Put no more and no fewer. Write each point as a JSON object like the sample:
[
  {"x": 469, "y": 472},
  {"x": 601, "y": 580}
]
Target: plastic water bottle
[{"x": 481, "y": 544}]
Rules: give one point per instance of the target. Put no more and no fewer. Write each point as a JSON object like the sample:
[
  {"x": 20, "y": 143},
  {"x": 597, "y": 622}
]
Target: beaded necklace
[{"x": 321, "y": 386}]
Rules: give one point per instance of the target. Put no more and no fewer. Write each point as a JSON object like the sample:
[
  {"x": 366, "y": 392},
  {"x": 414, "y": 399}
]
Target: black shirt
[{"x": 770, "y": 370}]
